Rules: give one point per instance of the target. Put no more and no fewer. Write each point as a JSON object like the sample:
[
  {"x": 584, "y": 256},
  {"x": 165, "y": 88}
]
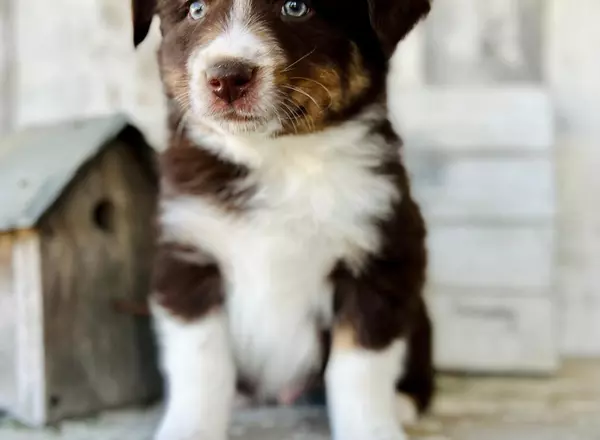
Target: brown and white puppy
[{"x": 290, "y": 244}]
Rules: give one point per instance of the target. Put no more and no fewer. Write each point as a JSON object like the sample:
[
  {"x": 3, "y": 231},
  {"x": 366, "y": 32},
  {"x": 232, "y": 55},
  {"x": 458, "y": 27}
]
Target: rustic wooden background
[{"x": 89, "y": 67}]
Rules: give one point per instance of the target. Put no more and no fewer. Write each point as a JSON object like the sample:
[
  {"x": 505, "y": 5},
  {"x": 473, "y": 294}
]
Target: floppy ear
[
  {"x": 143, "y": 13},
  {"x": 394, "y": 19}
]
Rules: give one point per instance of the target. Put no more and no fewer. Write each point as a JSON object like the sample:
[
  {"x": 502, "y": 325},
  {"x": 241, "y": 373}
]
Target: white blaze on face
[
  {"x": 239, "y": 39},
  {"x": 242, "y": 38}
]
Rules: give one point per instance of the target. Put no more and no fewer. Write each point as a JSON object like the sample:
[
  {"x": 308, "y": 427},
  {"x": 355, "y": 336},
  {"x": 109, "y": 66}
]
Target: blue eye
[
  {"x": 198, "y": 10},
  {"x": 295, "y": 9}
]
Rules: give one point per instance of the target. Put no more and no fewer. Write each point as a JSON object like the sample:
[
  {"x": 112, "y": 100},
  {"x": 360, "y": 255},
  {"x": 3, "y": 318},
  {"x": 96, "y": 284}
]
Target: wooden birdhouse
[{"x": 76, "y": 208}]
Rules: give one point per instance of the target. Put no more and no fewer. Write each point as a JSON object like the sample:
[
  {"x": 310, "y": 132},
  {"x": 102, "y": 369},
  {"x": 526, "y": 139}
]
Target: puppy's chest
[
  {"x": 311, "y": 211},
  {"x": 276, "y": 257}
]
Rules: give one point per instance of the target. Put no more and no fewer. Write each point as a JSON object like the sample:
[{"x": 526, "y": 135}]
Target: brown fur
[
  {"x": 191, "y": 289},
  {"x": 339, "y": 57},
  {"x": 187, "y": 169}
]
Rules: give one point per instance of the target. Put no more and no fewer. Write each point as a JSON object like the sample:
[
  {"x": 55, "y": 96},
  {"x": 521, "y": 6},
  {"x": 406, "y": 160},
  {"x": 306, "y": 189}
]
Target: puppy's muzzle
[{"x": 231, "y": 80}]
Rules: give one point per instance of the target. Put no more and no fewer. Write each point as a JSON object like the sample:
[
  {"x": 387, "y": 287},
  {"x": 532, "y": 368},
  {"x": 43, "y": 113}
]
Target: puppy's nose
[{"x": 231, "y": 80}]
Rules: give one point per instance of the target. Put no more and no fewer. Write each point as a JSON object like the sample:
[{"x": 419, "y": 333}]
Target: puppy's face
[{"x": 275, "y": 66}]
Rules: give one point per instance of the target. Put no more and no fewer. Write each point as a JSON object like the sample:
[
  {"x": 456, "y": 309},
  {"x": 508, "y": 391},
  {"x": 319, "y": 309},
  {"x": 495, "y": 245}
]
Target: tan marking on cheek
[
  {"x": 326, "y": 87},
  {"x": 331, "y": 79},
  {"x": 344, "y": 338},
  {"x": 176, "y": 82},
  {"x": 359, "y": 80},
  {"x": 279, "y": 77},
  {"x": 322, "y": 90},
  {"x": 318, "y": 93},
  {"x": 314, "y": 110},
  {"x": 292, "y": 100}
]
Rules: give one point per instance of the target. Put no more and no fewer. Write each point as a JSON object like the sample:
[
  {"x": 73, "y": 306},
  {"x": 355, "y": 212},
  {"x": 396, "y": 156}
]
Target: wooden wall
[
  {"x": 482, "y": 167},
  {"x": 572, "y": 72},
  {"x": 473, "y": 42},
  {"x": 91, "y": 68},
  {"x": 552, "y": 44},
  {"x": 5, "y": 54},
  {"x": 479, "y": 125},
  {"x": 8, "y": 337},
  {"x": 88, "y": 62}
]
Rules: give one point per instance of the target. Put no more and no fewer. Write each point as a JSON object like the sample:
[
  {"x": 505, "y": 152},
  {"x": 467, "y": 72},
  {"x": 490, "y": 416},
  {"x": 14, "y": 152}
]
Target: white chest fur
[{"x": 317, "y": 200}]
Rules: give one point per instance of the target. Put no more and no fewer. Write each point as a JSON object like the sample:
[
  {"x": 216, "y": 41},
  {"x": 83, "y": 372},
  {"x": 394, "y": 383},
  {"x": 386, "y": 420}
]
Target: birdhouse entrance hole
[{"x": 103, "y": 215}]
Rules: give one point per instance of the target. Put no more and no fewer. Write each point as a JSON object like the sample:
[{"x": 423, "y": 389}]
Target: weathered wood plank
[
  {"x": 7, "y": 324},
  {"x": 6, "y": 50},
  {"x": 493, "y": 333},
  {"x": 482, "y": 120},
  {"x": 482, "y": 188},
  {"x": 71, "y": 84},
  {"x": 97, "y": 248},
  {"x": 89, "y": 63},
  {"x": 492, "y": 257},
  {"x": 483, "y": 42},
  {"x": 573, "y": 71},
  {"x": 30, "y": 404},
  {"x": 572, "y": 65}
]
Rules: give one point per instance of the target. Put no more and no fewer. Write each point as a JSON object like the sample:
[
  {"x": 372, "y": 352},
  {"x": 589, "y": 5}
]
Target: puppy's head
[{"x": 275, "y": 66}]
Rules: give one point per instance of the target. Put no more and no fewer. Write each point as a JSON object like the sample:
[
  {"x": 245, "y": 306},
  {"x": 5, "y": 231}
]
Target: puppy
[{"x": 290, "y": 247}]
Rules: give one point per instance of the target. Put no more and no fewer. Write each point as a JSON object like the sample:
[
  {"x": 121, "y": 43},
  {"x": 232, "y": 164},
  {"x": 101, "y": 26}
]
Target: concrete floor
[{"x": 566, "y": 407}]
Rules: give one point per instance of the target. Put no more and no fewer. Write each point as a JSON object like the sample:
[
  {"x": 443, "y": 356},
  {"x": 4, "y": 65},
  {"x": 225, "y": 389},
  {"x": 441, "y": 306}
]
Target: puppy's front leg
[
  {"x": 377, "y": 309},
  {"x": 361, "y": 389},
  {"x": 200, "y": 378},
  {"x": 195, "y": 348}
]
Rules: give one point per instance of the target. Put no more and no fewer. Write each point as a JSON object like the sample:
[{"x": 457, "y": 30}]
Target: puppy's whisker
[
  {"x": 183, "y": 99},
  {"x": 295, "y": 106},
  {"x": 299, "y": 90},
  {"x": 320, "y": 84},
  {"x": 298, "y": 109},
  {"x": 291, "y": 117},
  {"x": 179, "y": 132},
  {"x": 183, "y": 103},
  {"x": 275, "y": 112},
  {"x": 310, "y": 123},
  {"x": 303, "y": 119},
  {"x": 287, "y": 69},
  {"x": 295, "y": 112}
]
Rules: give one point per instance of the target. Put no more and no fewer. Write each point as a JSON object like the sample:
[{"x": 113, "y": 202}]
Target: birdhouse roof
[{"x": 38, "y": 163}]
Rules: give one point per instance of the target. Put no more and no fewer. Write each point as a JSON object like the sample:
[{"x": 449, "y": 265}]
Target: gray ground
[{"x": 562, "y": 408}]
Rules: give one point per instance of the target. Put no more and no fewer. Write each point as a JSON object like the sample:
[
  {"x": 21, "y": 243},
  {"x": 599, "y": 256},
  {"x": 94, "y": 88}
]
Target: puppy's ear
[
  {"x": 394, "y": 19},
  {"x": 143, "y": 13}
]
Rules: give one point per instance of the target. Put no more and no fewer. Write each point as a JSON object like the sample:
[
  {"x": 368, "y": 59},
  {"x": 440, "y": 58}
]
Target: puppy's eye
[
  {"x": 198, "y": 10},
  {"x": 295, "y": 9}
]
